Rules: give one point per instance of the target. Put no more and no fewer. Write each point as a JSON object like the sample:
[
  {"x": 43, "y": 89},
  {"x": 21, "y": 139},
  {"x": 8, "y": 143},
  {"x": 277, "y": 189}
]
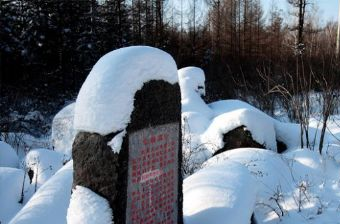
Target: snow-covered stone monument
[{"x": 128, "y": 149}]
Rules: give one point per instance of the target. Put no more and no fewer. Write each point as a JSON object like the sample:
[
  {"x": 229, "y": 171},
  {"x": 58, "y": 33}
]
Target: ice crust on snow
[
  {"x": 86, "y": 207},
  {"x": 220, "y": 194},
  {"x": 8, "y": 157},
  {"x": 63, "y": 132},
  {"x": 49, "y": 204},
  {"x": 11, "y": 181},
  {"x": 105, "y": 101}
]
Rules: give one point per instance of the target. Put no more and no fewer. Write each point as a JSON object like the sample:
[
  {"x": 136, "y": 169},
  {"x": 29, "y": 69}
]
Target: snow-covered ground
[{"x": 296, "y": 187}]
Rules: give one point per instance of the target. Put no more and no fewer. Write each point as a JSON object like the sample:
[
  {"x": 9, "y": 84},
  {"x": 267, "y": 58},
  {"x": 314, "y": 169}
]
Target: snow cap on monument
[{"x": 121, "y": 73}]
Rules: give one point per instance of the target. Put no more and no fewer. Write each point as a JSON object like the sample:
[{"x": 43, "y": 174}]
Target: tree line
[{"x": 53, "y": 44}]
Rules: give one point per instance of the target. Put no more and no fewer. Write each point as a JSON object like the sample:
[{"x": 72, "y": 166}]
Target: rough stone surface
[
  {"x": 238, "y": 138},
  {"x": 95, "y": 165},
  {"x": 104, "y": 172}
]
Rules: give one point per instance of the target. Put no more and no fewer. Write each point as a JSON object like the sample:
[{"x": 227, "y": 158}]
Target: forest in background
[{"x": 48, "y": 47}]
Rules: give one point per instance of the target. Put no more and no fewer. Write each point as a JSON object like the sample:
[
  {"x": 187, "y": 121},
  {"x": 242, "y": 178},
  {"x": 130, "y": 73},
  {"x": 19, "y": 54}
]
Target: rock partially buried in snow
[
  {"x": 238, "y": 138},
  {"x": 128, "y": 116},
  {"x": 8, "y": 157},
  {"x": 42, "y": 164},
  {"x": 261, "y": 128},
  {"x": 86, "y": 207}
]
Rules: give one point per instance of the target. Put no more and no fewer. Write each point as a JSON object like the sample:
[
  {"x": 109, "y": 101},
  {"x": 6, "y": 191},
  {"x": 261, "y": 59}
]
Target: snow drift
[
  {"x": 49, "y": 204},
  {"x": 86, "y": 207},
  {"x": 220, "y": 194},
  {"x": 8, "y": 157}
]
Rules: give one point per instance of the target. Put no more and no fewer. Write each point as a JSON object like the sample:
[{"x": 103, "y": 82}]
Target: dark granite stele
[{"x": 98, "y": 168}]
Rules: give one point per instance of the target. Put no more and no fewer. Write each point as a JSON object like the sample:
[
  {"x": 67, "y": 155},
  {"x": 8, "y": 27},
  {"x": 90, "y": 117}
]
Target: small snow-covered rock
[
  {"x": 86, "y": 207},
  {"x": 261, "y": 128},
  {"x": 44, "y": 163},
  {"x": 8, "y": 157},
  {"x": 221, "y": 194},
  {"x": 63, "y": 132},
  {"x": 105, "y": 101}
]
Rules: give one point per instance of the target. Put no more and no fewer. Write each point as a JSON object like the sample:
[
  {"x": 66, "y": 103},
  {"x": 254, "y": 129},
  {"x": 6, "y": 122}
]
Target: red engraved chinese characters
[{"x": 153, "y": 176}]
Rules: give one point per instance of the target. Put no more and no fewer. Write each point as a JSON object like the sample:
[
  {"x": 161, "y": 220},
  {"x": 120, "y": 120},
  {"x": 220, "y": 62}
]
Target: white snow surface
[
  {"x": 86, "y": 207},
  {"x": 220, "y": 194},
  {"x": 63, "y": 132},
  {"x": 44, "y": 163},
  {"x": 8, "y": 157},
  {"x": 225, "y": 106},
  {"x": 105, "y": 101},
  {"x": 11, "y": 183},
  {"x": 49, "y": 204},
  {"x": 117, "y": 141},
  {"x": 191, "y": 81},
  {"x": 298, "y": 175}
]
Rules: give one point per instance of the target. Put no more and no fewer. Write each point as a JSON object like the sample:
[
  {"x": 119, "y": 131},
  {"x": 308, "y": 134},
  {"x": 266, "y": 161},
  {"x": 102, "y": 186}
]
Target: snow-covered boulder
[
  {"x": 261, "y": 128},
  {"x": 221, "y": 194},
  {"x": 196, "y": 116},
  {"x": 11, "y": 184},
  {"x": 8, "y": 157},
  {"x": 43, "y": 164},
  {"x": 125, "y": 69},
  {"x": 191, "y": 81},
  {"x": 87, "y": 207},
  {"x": 63, "y": 132},
  {"x": 49, "y": 204}
]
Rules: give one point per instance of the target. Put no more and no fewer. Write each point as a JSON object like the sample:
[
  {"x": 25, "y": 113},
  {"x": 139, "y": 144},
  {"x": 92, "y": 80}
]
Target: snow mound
[
  {"x": 63, "y": 132},
  {"x": 191, "y": 81},
  {"x": 105, "y": 101},
  {"x": 293, "y": 187},
  {"x": 8, "y": 157},
  {"x": 86, "y": 207},
  {"x": 44, "y": 163},
  {"x": 261, "y": 128},
  {"x": 224, "y": 193},
  {"x": 307, "y": 165},
  {"x": 11, "y": 183},
  {"x": 269, "y": 168},
  {"x": 49, "y": 204},
  {"x": 194, "y": 123}
]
